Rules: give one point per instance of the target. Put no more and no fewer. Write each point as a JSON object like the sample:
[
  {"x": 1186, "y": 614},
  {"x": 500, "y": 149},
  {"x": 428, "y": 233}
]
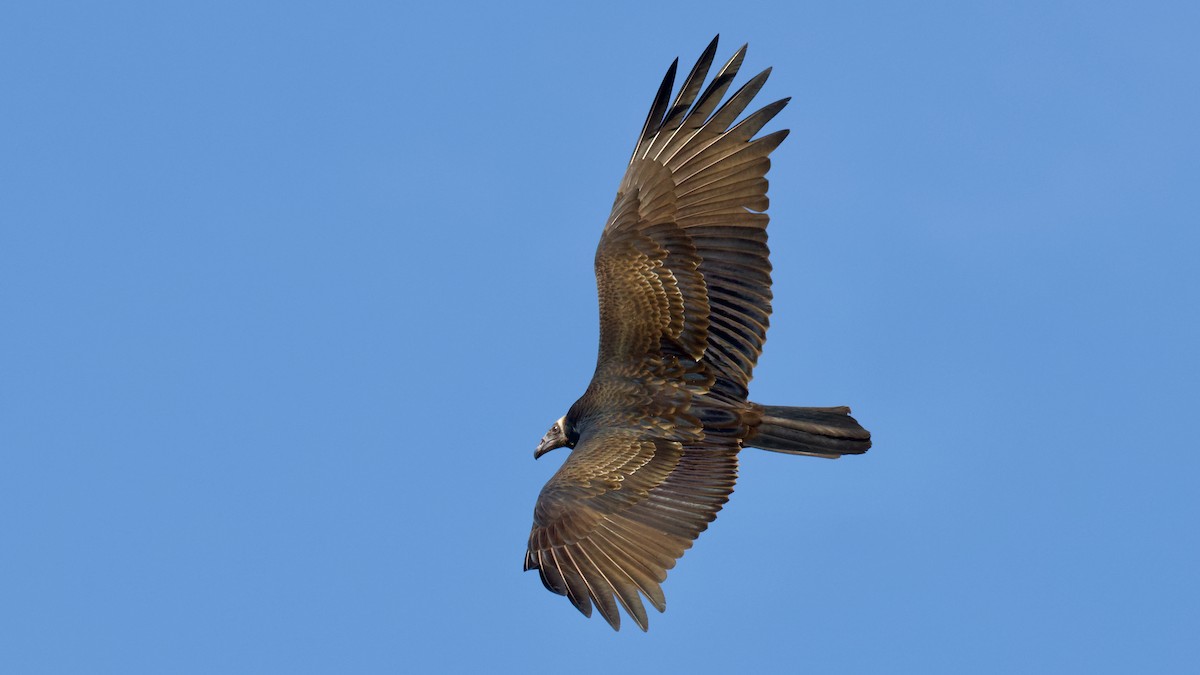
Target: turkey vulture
[{"x": 685, "y": 295}]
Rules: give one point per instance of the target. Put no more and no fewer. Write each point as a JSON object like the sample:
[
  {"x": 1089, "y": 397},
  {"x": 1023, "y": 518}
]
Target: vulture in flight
[{"x": 685, "y": 296}]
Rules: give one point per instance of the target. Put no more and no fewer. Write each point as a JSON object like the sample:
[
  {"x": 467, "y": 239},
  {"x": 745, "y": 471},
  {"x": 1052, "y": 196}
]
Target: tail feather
[{"x": 818, "y": 432}]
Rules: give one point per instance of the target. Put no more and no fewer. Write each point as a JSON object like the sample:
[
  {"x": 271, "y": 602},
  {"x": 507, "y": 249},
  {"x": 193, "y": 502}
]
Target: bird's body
[{"x": 684, "y": 285}]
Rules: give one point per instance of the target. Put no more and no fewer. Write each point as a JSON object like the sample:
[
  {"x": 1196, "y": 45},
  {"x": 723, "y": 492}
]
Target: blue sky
[{"x": 291, "y": 291}]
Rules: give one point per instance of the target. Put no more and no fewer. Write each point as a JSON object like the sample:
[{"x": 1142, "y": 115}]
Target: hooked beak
[{"x": 549, "y": 442}]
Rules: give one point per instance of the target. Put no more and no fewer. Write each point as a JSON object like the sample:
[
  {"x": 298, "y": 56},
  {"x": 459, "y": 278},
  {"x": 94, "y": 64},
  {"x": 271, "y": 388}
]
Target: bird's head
[{"x": 561, "y": 434}]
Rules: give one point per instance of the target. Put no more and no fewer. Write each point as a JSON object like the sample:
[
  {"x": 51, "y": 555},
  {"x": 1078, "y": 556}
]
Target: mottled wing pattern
[
  {"x": 706, "y": 177},
  {"x": 652, "y": 297},
  {"x": 618, "y": 514}
]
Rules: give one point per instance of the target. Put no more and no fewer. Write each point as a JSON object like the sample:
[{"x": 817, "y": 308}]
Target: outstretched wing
[
  {"x": 618, "y": 514},
  {"x": 682, "y": 265}
]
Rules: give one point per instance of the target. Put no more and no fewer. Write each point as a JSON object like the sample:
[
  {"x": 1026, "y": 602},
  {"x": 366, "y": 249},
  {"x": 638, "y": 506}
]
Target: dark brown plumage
[{"x": 685, "y": 297}]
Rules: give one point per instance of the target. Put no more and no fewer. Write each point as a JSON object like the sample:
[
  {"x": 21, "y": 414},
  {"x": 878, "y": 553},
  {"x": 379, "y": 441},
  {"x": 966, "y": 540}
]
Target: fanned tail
[{"x": 818, "y": 432}]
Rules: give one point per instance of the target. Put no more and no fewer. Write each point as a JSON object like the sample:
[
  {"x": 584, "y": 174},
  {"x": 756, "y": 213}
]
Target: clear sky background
[{"x": 290, "y": 291}]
